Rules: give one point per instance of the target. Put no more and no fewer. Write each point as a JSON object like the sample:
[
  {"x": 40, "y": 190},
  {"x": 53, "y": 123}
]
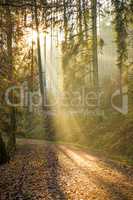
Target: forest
[{"x": 66, "y": 99}]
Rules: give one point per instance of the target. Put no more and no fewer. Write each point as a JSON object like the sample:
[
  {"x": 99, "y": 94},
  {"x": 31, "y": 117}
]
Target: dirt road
[{"x": 46, "y": 171}]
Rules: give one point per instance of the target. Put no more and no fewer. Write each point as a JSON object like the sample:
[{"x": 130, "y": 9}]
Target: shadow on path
[
  {"x": 52, "y": 164},
  {"x": 52, "y": 177},
  {"x": 116, "y": 189}
]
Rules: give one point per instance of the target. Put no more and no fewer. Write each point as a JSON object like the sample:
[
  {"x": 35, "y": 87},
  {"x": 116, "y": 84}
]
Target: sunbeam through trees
[{"x": 66, "y": 99}]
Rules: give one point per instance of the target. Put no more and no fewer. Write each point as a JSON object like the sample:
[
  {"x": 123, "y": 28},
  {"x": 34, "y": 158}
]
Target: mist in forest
[{"x": 66, "y": 93}]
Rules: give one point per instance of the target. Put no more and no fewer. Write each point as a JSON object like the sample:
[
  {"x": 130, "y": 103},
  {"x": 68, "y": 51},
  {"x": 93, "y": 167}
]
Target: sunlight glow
[{"x": 32, "y": 37}]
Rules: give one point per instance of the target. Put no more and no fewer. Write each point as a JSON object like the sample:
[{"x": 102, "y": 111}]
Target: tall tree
[
  {"x": 94, "y": 5},
  {"x": 9, "y": 34},
  {"x": 3, "y": 152},
  {"x": 120, "y": 22},
  {"x": 41, "y": 77}
]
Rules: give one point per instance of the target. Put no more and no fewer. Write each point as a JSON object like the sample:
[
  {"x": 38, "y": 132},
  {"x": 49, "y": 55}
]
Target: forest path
[{"x": 47, "y": 171}]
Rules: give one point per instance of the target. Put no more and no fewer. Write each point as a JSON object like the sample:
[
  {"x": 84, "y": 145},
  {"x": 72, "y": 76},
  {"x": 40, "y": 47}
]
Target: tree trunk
[
  {"x": 79, "y": 19},
  {"x": 3, "y": 152},
  {"x": 12, "y": 114},
  {"x": 94, "y": 44},
  {"x": 42, "y": 78},
  {"x": 121, "y": 39},
  {"x": 65, "y": 21}
]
